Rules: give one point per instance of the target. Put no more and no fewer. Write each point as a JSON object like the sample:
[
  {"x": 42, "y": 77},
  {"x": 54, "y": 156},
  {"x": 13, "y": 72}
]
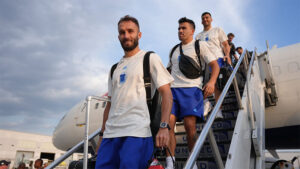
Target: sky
[{"x": 55, "y": 53}]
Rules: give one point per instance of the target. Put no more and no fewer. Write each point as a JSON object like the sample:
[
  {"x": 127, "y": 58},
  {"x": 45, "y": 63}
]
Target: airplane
[
  {"x": 71, "y": 128},
  {"x": 283, "y": 119},
  {"x": 282, "y": 112}
]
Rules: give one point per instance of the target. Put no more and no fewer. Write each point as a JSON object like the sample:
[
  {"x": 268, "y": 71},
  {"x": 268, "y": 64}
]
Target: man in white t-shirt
[
  {"x": 127, "y": 141},
  {"x": 218, "y": 44},
  {"x": 187, "y": 92}
]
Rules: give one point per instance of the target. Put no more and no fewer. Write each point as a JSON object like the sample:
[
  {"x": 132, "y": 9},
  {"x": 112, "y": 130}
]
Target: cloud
[
  {"x": 53, "y": 53},
  {"x": 49, "y": 60},
  {"x": 8, "y": 97}
]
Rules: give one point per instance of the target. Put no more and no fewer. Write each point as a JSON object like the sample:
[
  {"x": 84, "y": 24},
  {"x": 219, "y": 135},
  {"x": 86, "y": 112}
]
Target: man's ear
[{"x": 140, "y": 35}]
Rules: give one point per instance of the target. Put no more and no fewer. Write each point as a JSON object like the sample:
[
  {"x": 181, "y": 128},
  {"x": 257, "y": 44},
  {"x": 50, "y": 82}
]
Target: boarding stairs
[
  {"x": 234, "y": 142},
  {"x": 222, "y": 130}
]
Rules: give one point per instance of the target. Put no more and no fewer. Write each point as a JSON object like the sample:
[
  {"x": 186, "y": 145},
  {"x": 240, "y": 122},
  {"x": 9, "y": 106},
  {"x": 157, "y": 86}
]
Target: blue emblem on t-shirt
[
  {"x": 179, "y": 58},
  {"x": 122, "y": 78},
  {"x": 206, "y": 39}
]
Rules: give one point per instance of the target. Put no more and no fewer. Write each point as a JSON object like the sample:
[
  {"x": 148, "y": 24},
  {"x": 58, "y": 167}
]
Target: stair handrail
[
  {"x": 86, "y": 139},
  {"x": 250, "y": 109},
  {"x": 72, "y": 150},
  {"x": 201, "y": 139}
]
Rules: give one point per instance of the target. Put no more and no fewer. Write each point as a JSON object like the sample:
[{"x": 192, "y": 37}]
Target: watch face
[{"x": 163, "y": 125}]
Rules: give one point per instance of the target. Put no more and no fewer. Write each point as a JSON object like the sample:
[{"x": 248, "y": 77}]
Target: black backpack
[
  {"x": 187, "y": 65},
  {"x": 154, "y": 104}
]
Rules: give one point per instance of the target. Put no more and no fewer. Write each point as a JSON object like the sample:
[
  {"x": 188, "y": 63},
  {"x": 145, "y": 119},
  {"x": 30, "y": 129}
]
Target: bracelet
[{"x": 101, "y": 134}]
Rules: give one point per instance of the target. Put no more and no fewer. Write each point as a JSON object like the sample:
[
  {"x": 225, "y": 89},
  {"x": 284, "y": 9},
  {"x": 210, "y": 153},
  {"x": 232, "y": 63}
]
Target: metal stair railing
[
  {"x": 207, "y": 127},
  {"x": 250, "y": 109},
  {"x": 84, "y": 142}
]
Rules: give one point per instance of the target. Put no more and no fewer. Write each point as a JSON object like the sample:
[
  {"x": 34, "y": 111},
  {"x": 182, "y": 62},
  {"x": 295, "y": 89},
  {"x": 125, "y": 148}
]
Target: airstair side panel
[{"x": 247, "y": 145}]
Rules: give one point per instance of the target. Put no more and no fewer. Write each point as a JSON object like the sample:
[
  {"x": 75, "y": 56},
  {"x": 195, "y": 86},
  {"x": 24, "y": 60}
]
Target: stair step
[
  {"x": 220, "y": 136},
  {"x": 227, "y": 100},
  {"x": 223, "y": 124},
  {"x": 206, "y": 151},
  {"x": 208, "y": 163}
]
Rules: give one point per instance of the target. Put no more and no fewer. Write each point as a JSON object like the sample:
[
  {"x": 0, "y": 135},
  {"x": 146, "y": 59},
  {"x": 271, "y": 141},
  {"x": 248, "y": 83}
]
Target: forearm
[
  {"x": 215, "y": 71},
  {"x": 167, "y": 101},
  {"x": 162, "y": 137},
  {"x": 226, "y": 48},
  {"x": 105, "y": 116}
]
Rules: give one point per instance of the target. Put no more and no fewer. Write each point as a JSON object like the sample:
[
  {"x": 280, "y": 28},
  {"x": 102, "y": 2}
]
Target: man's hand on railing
[
  {"x": 208, "y": 89},
  {"x": 227, "y": 58}
]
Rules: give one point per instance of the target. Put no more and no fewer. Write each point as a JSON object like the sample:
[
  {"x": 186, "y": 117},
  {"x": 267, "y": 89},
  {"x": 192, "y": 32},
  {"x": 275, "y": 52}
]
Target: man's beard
[{"x": 133, "y": 46}]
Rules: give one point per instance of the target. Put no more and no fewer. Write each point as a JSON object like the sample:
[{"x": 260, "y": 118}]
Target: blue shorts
[
  {"x": 124, "y": 153},
  {"x": 187, "y": 102},
  {"x": 220, "y": 62}
]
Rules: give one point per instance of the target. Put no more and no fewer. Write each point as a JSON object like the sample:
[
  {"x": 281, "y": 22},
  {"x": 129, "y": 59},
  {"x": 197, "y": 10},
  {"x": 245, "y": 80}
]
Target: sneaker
[
  {"x": 169, "y": 167},
  {"x": 169, "y": 163},
  {"x": 219, "y": 114},
  {"x": 207, "y": 107}
]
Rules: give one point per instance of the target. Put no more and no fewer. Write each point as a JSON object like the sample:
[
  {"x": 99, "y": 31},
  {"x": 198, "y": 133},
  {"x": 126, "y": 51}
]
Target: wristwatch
[{"x": 164, "y": 125}]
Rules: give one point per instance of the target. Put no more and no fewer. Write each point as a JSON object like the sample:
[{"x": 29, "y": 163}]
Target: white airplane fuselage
[
  {"x": 286, "y": 71},
  {"x": 71, "y": 127}
]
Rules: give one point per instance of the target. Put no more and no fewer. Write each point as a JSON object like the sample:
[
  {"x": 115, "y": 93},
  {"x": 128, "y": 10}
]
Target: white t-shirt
[
  {"x": 214, "y": 37},
  {"x": 129, "y": 115},
  {"x": 189, "y": 50}
]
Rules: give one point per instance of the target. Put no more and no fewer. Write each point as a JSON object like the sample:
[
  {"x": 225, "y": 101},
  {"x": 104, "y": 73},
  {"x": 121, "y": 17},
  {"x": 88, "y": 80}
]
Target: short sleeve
[
  {"x": 206, "y": 53},
  {"x": 159, "y": 74},
  {"x": 222, "y": 35}
]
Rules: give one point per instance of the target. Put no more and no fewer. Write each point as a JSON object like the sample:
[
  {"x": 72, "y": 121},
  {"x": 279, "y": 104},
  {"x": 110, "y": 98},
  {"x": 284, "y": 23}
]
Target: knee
[{"x": 190, "y": 130}]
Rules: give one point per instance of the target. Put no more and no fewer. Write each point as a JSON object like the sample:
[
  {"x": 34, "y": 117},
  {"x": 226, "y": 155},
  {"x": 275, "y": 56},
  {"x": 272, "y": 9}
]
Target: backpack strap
[
  {"x": 147, "y": 79},
  {"x": 112, "y": 69},
  {"x": 197, "y": 50},
  {"x": 171, "y": 54}
]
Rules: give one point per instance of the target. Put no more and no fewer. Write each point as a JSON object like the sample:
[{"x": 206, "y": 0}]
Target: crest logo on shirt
[
  {"x": 206, "y": 39},
  {"x": 122, "y": 78},
  {"x": 123, "y": 75}
]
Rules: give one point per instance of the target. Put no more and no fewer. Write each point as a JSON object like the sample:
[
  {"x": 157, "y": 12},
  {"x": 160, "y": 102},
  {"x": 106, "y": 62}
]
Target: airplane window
[
  {"x": 276, "y": 70},
  {"x": 96, "y": 105},
  {"x": 84, "y": 106},
  {"x": 103, "y": 105},
  {"x": 293, "y": 67}
]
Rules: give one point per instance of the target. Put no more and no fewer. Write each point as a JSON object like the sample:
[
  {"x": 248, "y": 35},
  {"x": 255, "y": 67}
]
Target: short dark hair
[
  {"x": 129, "y": 18},
  {"x": 238, "y": 48},
  {"x": 184, "y": 19},
  {"x": 230, "y": 34},
  {"x": 204, "y": 13},
  {"x": 40, "y": 160}
]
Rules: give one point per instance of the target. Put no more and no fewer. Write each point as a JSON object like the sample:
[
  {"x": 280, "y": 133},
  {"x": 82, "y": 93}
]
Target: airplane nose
[{"x": 56, "y": 136}]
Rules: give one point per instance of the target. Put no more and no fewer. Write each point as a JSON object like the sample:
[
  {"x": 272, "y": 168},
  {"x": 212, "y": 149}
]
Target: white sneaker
[
  {"x": 207, "y": 107},
  {"x": 195, "y": 166},
  {"x": 219, "y": 114},
  {"x": 169, "y": 162},
  {"x": 169, "y": 167}
]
